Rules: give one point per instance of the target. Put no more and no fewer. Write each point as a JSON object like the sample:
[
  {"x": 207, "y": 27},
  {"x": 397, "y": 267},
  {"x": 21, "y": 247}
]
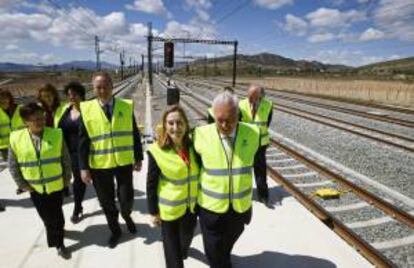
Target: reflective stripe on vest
[
  {"x": 221, "y": 182},
  {"x": 7, "y": 125},
  {"x": 112, "y": 143},
  {"x": 44, "y": 174},
  {"x": 260, "y": 119},
  {"x": 178, "y": 182}
]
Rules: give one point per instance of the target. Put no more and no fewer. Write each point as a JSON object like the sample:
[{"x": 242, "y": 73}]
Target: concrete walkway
[{"x": 285, "y": 236}]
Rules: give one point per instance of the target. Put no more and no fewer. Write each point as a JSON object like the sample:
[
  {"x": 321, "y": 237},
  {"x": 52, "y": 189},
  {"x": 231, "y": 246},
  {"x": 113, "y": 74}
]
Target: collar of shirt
[
  {"x": 232, "y": 135},
  {"x": 110, "y": 102}
]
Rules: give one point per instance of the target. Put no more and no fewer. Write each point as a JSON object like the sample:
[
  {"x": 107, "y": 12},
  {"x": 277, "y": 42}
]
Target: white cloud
[
  {"x": 272, "y": 4},
  {"x": 348, "y": 57},
  {"x": 28, "y": 57},
  {"x": 11, "y": 47},
  {"x": 321, "y": 37},
  {"x": 295, "y": 25},
  {"x": 332, "y": 18},
  {"x": 16, "y": 26},
  {"x": 371, "y": 34},
  {"x": 201, "y": 8},
  {"x": 395, "y": 19},
  {"x": 149, "y": 6},
  {"x": 192, "y": 30}
]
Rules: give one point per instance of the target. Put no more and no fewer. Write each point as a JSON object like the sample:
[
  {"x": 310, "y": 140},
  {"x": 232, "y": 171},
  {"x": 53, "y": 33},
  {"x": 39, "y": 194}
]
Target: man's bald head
[{"x": 254, "y": 93}]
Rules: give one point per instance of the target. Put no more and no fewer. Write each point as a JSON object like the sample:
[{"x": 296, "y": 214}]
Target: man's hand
[
  {"x": 138, "y": 165},
  {"x": 86, "y": 176},
  {"x": 155, "y": 220}
]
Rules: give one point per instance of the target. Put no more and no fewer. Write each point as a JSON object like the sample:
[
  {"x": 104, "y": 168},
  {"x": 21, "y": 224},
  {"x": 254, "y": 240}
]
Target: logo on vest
[
  {"x": 120, "y": 114},
  {"x": 244, "y": 143}
]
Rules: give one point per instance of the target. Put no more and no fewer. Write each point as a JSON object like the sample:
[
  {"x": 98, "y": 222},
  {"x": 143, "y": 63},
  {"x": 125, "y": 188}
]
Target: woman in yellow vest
[
  {"x": 39, "y": 164},
  {"x": 48, "y": 98},
  {"x": 9, "y": 120},
  {"x": 172, "y": 184}
]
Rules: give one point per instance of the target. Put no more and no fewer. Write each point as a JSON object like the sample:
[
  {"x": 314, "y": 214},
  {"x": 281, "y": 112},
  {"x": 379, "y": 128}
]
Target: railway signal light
[{"x": 168, "y": 54}]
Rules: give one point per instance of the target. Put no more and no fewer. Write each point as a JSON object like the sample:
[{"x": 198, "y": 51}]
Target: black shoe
[
  {"x": 63, "y": 252},
  {"x": 130, "y": 225},
  {"x": 264, "y": 200},
  {"x": 113, "y": 240},
  {"x": 76, "y": 217}
]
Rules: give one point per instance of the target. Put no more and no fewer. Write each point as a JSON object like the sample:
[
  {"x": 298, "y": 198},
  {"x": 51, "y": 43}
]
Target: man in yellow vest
[
  {"x": 257, "y": 110},
  {"x": 210, "y": 115},
  {"x": 39, "y": 163},
  {"x": 226, "y": 149},
  {"x": 110, "y": 146}
]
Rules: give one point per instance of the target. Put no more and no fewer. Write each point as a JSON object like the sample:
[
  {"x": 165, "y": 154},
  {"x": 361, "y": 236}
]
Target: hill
[{"x": 73, "y": 65}]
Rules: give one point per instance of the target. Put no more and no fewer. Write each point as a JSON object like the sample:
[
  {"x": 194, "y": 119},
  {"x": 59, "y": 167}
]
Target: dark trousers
[
  {"x": 103, "y": 181},
  {"x": 220, "y": 233},
  {"x": 79, "y": 188},
  {"x": 49, "y": 208},
  {"x": 4, "y": 154},
  {"x": 260, "y": 172},
  {"x": 176, "y": 238}
]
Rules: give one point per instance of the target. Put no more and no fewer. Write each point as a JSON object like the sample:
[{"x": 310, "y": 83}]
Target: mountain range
[{"x": 85, "y": 65}]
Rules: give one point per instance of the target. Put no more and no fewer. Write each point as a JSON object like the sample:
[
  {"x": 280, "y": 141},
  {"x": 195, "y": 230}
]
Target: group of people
[{"x": 203, "y": 174}]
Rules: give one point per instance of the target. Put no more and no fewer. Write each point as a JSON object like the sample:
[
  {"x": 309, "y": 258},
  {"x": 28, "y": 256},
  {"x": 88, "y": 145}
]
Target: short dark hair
[
  {"x": 104, "y": 74},
  {"x": 51, "y": 89},
  {"x": 30, "y": 109},
  {"x": 77, "y": 87}
]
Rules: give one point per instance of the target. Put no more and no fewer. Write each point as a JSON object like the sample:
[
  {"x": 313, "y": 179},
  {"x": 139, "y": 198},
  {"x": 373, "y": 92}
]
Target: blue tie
[{"x": 107, "y": 110}]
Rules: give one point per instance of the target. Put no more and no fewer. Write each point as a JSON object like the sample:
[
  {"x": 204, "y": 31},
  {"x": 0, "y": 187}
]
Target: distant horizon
[{"x": 179, "y": 61}]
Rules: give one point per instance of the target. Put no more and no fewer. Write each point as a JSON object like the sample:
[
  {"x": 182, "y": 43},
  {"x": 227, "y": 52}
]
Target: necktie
[
  {"x": 107, "y": 110},
  {"x": 228, "y": 147}
]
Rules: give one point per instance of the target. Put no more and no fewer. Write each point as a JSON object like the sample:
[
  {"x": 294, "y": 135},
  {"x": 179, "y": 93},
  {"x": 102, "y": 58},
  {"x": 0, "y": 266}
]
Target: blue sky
[{"x": 352, "y": 32}]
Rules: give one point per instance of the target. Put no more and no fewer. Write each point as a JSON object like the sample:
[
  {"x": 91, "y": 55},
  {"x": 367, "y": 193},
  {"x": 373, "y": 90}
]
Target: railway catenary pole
[
  {"x": 122, "y": 60},
  {"x": 150, "y": 39},
  {"x": 142, "y": 63},
  {"x": 235, "y": 63},
  {"x": 98, "y": 52}
]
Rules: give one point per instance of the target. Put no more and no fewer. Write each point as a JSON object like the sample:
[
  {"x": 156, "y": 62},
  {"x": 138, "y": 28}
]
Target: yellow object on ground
[{"x": 327, "y": 193}]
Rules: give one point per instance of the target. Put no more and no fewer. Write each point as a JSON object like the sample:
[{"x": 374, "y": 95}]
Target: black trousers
[
  {"x": 260, "y": 172},
  {"x": 4, "y": 154},
  {"x": 49, "y": 208},
  {"x": 220, "y": 233},
  {"x": 79, "y": 188},
  {"x": 176, "y": 238},
  {"x": 103, "y": 181}
]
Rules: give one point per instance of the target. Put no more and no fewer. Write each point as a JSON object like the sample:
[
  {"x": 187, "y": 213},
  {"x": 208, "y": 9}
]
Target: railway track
[
  {"x": 381, "y": 231},
  {"x": 316, "y": 98},
  {"x": 397, "y": 140}
]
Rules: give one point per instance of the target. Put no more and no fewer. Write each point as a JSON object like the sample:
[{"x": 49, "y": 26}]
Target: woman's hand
[{"x": 86, "y": 176}]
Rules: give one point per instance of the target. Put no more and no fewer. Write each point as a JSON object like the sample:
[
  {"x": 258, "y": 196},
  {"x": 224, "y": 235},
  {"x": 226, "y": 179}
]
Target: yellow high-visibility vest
[
  {"x": 112, "y": 142},
  {"x": 8, "y": 125},
  {"x": 223, "y": 182},
  {"x": 59, "y": 113},
  {"x": 178, "y": 184},
  {"x": 43, "y": 172},
  {"x": 260, "y": 119}
]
